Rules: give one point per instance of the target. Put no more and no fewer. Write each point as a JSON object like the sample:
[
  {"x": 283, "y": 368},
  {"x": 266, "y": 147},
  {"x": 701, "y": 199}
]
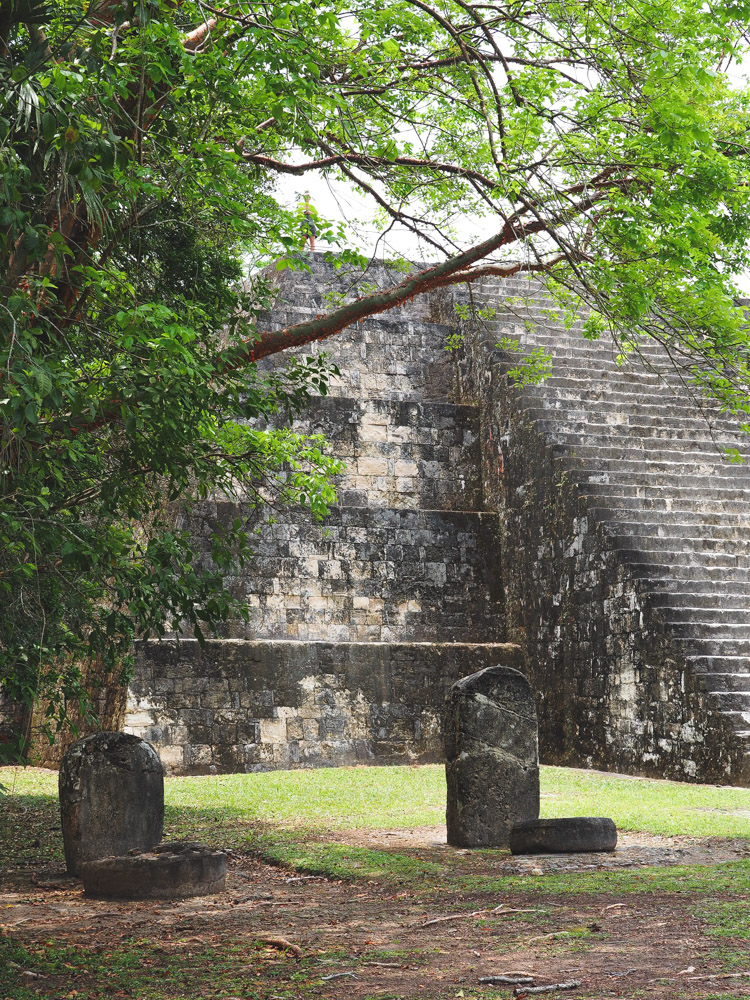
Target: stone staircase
[
  {"x": 644, "y": 519},
  {"x": 356, "y": 626}
]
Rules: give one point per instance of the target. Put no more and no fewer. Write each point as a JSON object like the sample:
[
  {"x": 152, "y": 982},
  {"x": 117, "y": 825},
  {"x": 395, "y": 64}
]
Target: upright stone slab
[
  {"x": 491, "y": 757},
  {"x": 111, "y": 798}
]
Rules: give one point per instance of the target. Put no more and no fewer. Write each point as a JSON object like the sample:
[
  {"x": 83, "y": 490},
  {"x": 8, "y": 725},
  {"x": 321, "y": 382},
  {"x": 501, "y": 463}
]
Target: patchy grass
[
  {"x": 342, "y": 861},
  {"x": 728, "y": 924},
  {"x": 142, "y": 969},
  {"x": 346, "y": 861}
]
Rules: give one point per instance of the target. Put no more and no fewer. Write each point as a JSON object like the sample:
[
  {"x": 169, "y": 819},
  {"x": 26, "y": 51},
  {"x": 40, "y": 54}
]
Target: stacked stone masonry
[
  {"x": 256, "y": 705},
  {"x": 591, "y": 519},
  {"x": 357, "y": 627}
]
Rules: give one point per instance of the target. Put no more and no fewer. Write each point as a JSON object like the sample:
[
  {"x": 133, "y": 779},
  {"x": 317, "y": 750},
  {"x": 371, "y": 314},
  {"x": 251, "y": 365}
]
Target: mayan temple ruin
[{"x": 589, "y": 530}]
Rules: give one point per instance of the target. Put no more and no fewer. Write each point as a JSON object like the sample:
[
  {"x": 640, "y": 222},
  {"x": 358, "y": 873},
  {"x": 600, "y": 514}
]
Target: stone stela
[
  {"x": 491, "y": 757},
  {"x": 111, "y": 798}
]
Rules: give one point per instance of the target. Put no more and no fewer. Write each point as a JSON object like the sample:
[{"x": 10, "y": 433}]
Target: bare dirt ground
[{"x": 376, "y": 939}]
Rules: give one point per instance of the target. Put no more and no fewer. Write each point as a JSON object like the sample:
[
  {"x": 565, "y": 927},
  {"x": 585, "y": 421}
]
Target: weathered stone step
[
  {"x": 235, "y": 705},
  {"x": 656, "y": 511},
  {"x": 699, "y": 646},
  {"x": 690, "y": 449},
  {"x": 652, "y": 421},
  {"x": 558, "y": 337},
  {"x": 591, "y": 458},
  {"x": 596, "y": 397},
  {"x": 724, "y": 682},
  {"x": 671, "y": 477},
  {"x": 729, "y": 497},
  {"x": 711, "y": 600},
  {"x": 675, "y": 525},
  {"x": 739, "y": 720},
  {"x": 557, "y": 340},
  {"x": 616, "y": 384},
  {"x": 375, "y": 574},
  {"x": 656, "y": 413},
  {"x": 645, "y": 438},
  {"x": 400, "y": 454},
  {"x": 712, "y": 604},
  {"x": 722, "y": 663},
  {"x": 713, "y": 616},
  {"x": 660, "y": 573},
  {"x": 698, "y": 551},
  {"x": 566, "y": 367},
  {"x": 708, "y": 631},
  {"x": 568, "y": 361},
  {"x": 683, "y": 582}
]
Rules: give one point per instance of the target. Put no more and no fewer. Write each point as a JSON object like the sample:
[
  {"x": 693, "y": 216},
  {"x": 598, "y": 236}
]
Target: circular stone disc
[
  {"x": 563, "y": 836},
  {"x": 170, "y": 871}
]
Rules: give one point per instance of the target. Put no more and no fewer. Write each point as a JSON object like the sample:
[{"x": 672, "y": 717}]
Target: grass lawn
[
  {"x": 383, "y": 797},
  {"x": 313, "y": 826}
]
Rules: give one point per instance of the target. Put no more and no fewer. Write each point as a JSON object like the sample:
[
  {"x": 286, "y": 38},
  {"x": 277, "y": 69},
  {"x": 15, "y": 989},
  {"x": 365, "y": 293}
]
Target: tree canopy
[{"x": 603, "y": 145}]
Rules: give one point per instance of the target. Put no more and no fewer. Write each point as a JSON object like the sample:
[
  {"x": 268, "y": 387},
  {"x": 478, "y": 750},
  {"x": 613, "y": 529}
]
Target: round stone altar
[{"x": 173, "y": 870}]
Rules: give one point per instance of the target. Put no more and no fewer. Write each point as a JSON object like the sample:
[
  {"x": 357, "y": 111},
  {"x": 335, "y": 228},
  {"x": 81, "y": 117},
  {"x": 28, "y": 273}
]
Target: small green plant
[
  {"x": 334, "y": 299},
  {"x": 594, "y": 326},
  {"x": 532, "y": 368}
]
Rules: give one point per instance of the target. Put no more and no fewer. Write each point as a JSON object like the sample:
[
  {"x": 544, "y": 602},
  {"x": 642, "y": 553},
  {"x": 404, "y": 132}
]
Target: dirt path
[{"x": 374, "y": 939}]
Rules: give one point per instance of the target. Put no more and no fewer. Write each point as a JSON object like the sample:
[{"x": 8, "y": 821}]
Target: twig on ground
[
  {"x": 281, "y": 943},
  {"x": 260, "y": 902},
  {"x": 241, "y": 874},
  {"x": 522, "y": 991},
  {"x": 722, "y": 975},
  {"x": 386, "y": 965},
  {"x": 339, "y": 975},
  {"x": 508, "y": 980},
  {"x": 475, "y": 913}
]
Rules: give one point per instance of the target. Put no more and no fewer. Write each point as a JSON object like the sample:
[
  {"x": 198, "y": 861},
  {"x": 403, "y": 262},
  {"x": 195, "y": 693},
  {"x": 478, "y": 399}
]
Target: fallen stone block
[{"x": 563, "y": 836}]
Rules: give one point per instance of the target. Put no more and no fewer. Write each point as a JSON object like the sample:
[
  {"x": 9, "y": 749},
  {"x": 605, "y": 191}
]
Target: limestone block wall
[
  {"x": 400, "y": 453},
  {"x": 378, "y": 574},
  {"x": 395, "y": 355},
  {"x": 246, "y": 706},
  {"x": 356, "y": 626}
]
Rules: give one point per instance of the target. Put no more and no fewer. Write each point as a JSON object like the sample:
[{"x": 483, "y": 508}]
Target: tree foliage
[{"x": 602, "y": 145}]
